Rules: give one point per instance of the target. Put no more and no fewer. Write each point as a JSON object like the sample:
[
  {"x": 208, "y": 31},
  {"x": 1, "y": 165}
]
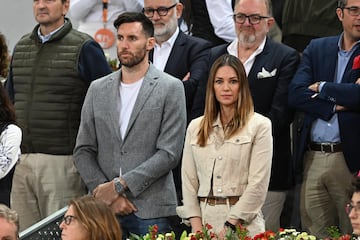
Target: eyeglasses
[
  {"x": 350, "y": 207},
  {"x": 353, "y": 11},
  {"x": 162, "y": 11},
  {"x": 253, "y": 18},
  {"x": 68, "y": 219}
]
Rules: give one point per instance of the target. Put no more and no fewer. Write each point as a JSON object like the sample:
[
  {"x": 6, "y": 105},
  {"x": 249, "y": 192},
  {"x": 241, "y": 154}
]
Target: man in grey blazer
[{"x": 132, "y": 132}]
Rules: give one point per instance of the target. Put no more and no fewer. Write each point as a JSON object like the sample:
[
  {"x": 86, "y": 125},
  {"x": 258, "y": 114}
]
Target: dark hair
[
  {"x": 355, "y": 184},
  {"x": 4, "y": 56},
  {"x": 7, "y": 110},
  {"x": 243, "y": 108},
  {"x": 342, "y": 3},
  {"x": 130, "y": 17}
]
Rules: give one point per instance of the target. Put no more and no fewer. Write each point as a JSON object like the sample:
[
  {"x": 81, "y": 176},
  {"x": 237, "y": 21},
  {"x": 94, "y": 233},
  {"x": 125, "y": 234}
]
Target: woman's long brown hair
[{"x": 243, "y": 108}]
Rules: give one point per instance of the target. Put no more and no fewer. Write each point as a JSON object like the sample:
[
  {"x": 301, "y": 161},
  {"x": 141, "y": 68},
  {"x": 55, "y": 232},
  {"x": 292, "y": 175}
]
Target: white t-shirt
[
  {"x": 128, "y": 96},
  {"x": 10, "y": 140}
]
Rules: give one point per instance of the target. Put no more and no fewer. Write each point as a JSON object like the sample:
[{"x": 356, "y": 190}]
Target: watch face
[{"x": 118, "y": 186}]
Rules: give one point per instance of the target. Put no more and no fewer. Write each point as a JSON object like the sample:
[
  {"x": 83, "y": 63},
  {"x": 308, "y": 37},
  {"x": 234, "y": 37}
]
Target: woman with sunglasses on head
[{"x": 89, "y": 219}]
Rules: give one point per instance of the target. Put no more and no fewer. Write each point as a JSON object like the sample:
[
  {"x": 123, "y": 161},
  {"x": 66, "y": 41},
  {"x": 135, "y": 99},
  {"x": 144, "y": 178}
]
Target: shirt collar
[
  {"x": 233, "y": 48},
  {"x": 48, "y": 36},
  {"x": 217, "y": 122},
  {"x": 341, "y": 39},
  {"x": 171, "y": 40}
]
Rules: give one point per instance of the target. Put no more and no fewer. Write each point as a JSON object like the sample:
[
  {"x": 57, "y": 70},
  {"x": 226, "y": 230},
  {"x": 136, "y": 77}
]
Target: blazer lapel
[
  {"x": 331, "y": 55},
  {"x": 176, "y": 52},
  {"x": 114, "y": 97},
  {"x": 351, "y": 75},
  {"x": 260, "y": 61}
]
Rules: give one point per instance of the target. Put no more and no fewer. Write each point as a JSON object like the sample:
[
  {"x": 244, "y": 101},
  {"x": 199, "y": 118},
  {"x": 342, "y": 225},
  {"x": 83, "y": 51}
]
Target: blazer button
[
  {"x": 220, "y": 158},
  {"x": 219, "y": 190}
]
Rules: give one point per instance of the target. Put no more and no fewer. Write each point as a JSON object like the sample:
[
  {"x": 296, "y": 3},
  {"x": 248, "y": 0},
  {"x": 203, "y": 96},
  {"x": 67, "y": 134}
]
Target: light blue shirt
[
  {"x": 328, "y": 131},
  {"x": 46, "y": 38}
]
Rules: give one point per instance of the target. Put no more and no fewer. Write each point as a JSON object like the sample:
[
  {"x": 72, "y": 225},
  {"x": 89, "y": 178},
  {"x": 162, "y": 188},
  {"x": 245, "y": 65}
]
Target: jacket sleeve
[
  {"x": 10, "y": 141},
  {"x": 253, "y": 198},
  {"x": 85, "y": 152},
  {"x": 92, "y": 62},
  {"x": 300, "y": 96},
  {"x": 190, "y": 181}
]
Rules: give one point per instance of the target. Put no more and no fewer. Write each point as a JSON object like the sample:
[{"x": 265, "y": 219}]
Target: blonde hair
[
  {"x": 97, "y": 218},
  {"x": 243, "y": 108},
  {"x": 11, "y": 216}
]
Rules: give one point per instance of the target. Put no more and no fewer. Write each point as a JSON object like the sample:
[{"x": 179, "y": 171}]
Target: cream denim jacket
[{"x": 239, "y": 166}]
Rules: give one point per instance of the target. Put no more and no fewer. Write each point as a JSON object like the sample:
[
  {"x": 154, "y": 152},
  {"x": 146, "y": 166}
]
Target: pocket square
[
  {"x": 356, "y": 63},
  {"x": 266, "y": 74}
]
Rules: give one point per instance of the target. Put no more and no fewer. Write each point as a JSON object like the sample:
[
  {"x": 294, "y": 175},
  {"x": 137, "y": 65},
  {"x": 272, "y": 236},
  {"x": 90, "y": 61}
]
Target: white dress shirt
[{"x": 162, "y": 53}]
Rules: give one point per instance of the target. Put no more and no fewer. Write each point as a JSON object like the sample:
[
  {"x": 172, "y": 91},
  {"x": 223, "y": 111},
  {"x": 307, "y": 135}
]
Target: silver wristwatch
[{"x": 119, "y": 188}]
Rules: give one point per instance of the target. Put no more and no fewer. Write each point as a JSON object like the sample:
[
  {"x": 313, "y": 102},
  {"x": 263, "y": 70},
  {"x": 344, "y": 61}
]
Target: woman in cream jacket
[{"x": 227, "y": 156}]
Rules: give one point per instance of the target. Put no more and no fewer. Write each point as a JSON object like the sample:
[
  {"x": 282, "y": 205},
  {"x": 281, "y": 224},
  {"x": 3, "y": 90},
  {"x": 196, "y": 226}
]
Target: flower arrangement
[
  {"x": 241, "y": 233},
  {"x": 153, "y": 234}
]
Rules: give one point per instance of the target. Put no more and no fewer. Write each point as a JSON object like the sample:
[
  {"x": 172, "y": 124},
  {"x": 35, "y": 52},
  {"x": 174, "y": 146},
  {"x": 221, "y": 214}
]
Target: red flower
[
  {"x": 345, "y": 237},
  {"x": 356, "y": 63}
]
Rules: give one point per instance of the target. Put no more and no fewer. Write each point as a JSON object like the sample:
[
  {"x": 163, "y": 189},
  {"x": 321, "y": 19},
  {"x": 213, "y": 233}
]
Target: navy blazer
[
  {"x": 319, "y": 63},
  {"x": 187, "y": 55},
  {"x": 270, "y": 99}
]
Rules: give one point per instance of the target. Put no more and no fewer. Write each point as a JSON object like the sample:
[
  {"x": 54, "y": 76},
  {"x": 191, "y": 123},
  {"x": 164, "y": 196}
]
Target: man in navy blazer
[
  {"x": 326, "y": 88},
  {"x": 175, "y": 52},
  {"x": 270, "y": 67}
]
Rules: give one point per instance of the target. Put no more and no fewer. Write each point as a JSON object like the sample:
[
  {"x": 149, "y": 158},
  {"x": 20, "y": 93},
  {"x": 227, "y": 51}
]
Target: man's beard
[
  {"x": 134, "y": 60},
  {"x": 247, "y": 39},
  {"x": 166, "y": 30}
]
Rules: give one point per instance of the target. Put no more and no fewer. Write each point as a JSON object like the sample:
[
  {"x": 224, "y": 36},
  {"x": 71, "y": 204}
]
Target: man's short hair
[
  {"x": 10, "y": 215},
  {"x": 342, "y": 3},
  {"x": 130, "y": 17}
]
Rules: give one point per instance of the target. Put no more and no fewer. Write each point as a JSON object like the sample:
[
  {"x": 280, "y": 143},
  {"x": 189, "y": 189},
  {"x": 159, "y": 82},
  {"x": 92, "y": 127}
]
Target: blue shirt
[{"x": 328, "y": 131}]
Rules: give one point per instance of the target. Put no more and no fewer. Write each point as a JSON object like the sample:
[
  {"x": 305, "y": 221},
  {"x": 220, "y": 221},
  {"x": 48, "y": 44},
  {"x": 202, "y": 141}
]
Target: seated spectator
[
  {"x": 89, "y": 218},
  {"x": 10, "y": 140},
  {"x": 9, "y": 223},
  {"x": 353, "y": 208}
]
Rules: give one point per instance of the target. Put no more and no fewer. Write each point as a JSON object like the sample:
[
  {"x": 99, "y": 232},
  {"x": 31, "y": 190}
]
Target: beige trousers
[
  {"x": 272, "y": 208},
  {"x": 43, "y": 184},
  {"x": 324, "y": 193},
  {"x": 217, "y": 215}
]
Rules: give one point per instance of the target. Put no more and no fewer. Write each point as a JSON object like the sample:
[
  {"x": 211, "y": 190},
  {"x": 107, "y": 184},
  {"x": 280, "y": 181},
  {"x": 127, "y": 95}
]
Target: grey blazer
[{"x": 151, "y": 147}]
